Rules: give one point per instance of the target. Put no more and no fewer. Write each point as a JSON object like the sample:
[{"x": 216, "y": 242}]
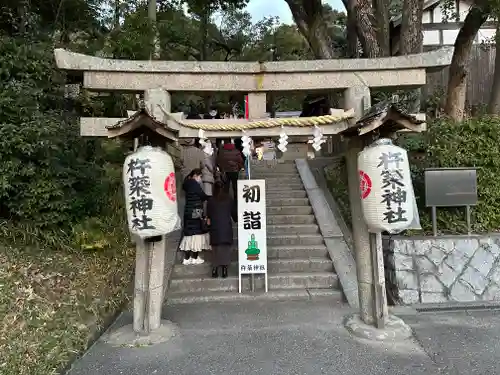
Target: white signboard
[{"x": 252, "y": 228}]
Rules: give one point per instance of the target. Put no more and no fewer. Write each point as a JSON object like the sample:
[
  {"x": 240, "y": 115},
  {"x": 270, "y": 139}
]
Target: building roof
[
  {"x": 135, "y": 123},
  {"x": 385, "y": 117}
]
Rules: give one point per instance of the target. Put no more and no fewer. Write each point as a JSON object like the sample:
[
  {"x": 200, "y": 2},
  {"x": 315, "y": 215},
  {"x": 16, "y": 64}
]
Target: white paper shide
[
  {"x": 252, "y": 238},
  {"x": 386, "y": 189},
  {"x": 150, "y": 192}
]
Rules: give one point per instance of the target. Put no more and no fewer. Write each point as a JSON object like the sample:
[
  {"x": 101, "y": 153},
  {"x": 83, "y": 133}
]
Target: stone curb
[{"x": 342, "y": 258}]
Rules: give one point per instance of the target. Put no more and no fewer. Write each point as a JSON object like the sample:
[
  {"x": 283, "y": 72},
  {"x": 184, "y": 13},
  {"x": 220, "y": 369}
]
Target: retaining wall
[{"x": 443, "y": 269}]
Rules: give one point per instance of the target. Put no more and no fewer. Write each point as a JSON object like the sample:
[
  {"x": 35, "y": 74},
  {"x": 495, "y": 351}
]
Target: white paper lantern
[
  {"x": 150, "y": 192},
  {"x": 386, "y": 189}
]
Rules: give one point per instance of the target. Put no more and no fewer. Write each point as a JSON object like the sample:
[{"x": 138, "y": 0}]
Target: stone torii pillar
[
  {"x": 148, "y": 326},
  {"x": 359, "y": 99}
]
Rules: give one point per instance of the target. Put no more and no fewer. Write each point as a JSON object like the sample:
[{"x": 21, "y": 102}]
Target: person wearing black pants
[{"x": 232, "y": 178}]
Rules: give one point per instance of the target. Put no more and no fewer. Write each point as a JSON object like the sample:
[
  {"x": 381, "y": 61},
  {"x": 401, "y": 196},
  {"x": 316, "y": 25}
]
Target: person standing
[
  {"x": 192, "y": 157},
  {"x": 230, "y": 162},
  {"x": 208, "y": 171},
  {"x": 195, "y": 239},
  {"x": 221, "y": 208}
]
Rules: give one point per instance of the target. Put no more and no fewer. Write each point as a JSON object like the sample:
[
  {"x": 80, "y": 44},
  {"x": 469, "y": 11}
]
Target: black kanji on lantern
[
  {"x": 394, "y": 192},
  {"x": 388, "y": 159},
  {"x": 142, "y": 222},
  {"x": 397, "y": 196},
  {"x": 139, "y": 185},
  {"x": 251, "y": 193},
  {"x": 392, "y": 178},
  {"x": 141, "y": 205},
  {"x": 138, "y": 165},
  {"x": 139, "y": 193},
  {"x": 395, "y": 216},
  {"x": 252, "y": 220}
]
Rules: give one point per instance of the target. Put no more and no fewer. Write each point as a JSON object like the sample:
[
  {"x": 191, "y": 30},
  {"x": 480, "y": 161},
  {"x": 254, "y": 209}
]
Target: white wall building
[{"x": 441, "y": 26}]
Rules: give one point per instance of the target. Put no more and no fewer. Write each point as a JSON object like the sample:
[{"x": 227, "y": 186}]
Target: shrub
[
  {"x": 50, "y": 176},
  {"x": 474, "y": 142}
]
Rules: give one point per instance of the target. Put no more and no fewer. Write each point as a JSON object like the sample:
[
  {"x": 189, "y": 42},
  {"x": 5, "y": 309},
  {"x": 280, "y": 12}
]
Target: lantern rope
[{"x": 271, "y": 123}]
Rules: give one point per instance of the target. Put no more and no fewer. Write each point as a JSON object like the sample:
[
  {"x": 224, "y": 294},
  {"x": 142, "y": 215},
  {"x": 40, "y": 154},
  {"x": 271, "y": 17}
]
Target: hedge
[{"x": 474, "y": 142}]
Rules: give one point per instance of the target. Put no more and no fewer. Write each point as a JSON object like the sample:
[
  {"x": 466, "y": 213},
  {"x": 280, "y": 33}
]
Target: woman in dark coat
[
  {"x": 221, "y": 208},
  {"x": 195, "y": 237}
]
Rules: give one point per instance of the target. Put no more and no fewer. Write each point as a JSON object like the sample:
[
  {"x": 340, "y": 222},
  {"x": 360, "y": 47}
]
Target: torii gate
[{"x": 157, "y": 79}]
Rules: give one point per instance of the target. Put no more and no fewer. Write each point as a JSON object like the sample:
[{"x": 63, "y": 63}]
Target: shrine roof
[
  {"x": 386, "y": 117},
  {"x": 141, "y": 118}
]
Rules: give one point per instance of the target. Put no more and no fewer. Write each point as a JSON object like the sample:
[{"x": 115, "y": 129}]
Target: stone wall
[{"x": 443, "y": 269}]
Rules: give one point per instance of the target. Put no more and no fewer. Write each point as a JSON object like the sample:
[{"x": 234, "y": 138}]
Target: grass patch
[{"x": 55, "y": 295}]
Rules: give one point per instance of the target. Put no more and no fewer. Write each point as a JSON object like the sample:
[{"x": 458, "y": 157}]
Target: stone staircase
[{"x": 298, "y": 262}]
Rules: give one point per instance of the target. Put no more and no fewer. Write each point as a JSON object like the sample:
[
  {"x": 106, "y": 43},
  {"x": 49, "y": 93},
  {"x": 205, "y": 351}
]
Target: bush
[
  {"x": 474, "y": 142},
  {"x": 50, "y": 176}
]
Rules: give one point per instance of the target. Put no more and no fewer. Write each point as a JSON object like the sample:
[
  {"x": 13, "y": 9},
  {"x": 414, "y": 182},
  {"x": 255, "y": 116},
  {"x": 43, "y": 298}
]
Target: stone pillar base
[
  {"x": 395, "y": 329},
  {"x": 126, "y": 336}
]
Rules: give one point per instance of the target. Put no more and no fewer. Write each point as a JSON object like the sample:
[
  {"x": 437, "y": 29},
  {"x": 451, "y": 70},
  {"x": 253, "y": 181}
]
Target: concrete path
[{"x": 301, "y": 338}]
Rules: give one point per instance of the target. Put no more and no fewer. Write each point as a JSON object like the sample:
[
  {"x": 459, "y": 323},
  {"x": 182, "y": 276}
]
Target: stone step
[
  {"x": 335, "y": 296},
  {"x": 276, "y": 229},
  {"x": 276, "y": 180},
  {"x": 296, "y": 251},
  {"x": 289, "y": 210},
  {"x": 274, "y": 266},
  {"x": 291, "y": 239},
  {"x": 300, "y": 193},
  {"x": 265, "y": 174},
  {"x": 290, "y": 219},
  {"x": 285, "y": 201},
  {"x": 317, "y": 280},
  {"x": 289, "y": 167},
  {"x": 284, "y": 187},
  {"x": 292, "y": 228},
  {"x": 278, "y": 252}
]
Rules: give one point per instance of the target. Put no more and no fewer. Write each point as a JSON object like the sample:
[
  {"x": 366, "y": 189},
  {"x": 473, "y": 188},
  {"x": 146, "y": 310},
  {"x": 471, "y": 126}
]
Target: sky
[{"x": 265, "y": 8}]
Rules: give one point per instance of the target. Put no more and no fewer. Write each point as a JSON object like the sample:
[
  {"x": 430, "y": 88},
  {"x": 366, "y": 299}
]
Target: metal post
[
  {"x": 252, "y": 276},
  {"x": 434, "y": 221},
  {"x": 467, "y": 213},
  {"x": 380, "y": 310}
]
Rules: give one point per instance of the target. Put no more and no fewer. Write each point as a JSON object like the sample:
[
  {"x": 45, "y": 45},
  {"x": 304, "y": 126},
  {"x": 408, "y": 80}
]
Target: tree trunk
[
  {"x": 367, "y": 33},
  {"x": 155, "y": 46},
  {"x": 308, "y": 16},
  {"x": 22, "y": 10},
  {"x": 494, "y": 103},
  {"x": 411, "y": 39},
  {"x": 457, "y": 82},
  {"x": 116, "y": 16},
  {"x": 411, "y": 36},
  {"x": 381, "y": 26},
  {"x": 205, "y": 19},
  {"x": 352, "y": 32}
]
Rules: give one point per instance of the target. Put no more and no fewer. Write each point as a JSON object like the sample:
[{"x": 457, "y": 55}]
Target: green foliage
[
  {"x": 471, "y": 143},
  {"x": 50, "y": 175},
  {"x": 474, "y": 142}
]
